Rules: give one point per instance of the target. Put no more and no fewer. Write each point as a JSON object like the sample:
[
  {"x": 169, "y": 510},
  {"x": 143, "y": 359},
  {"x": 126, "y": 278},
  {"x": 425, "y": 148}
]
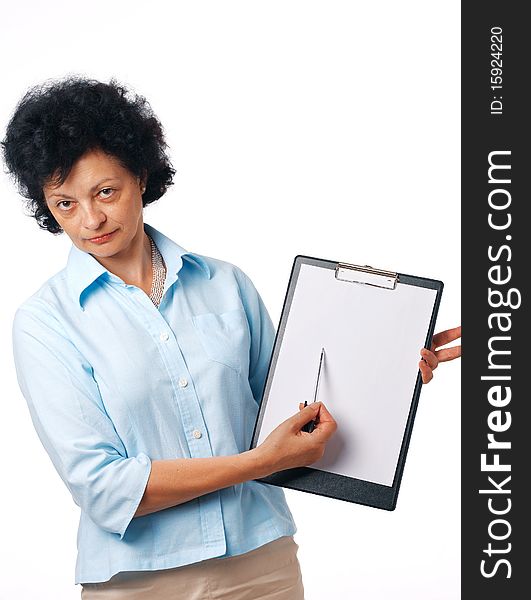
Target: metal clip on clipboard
[{"x": 366, "y": 275}]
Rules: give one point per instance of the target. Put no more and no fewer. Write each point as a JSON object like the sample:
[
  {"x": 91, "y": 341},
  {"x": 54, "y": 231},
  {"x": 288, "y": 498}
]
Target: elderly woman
[{"x": 143, "y": 365}]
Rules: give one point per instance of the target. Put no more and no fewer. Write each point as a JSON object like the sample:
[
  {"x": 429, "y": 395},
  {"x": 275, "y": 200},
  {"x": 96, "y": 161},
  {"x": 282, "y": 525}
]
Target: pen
[{"x": 309, "y": 427}]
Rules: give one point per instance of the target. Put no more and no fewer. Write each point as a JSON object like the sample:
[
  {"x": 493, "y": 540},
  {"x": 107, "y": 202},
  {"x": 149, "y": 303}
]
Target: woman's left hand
[{"x": 431, "y": 358}]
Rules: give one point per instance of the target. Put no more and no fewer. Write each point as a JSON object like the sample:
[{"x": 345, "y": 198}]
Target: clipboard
[{"x": 373, "y": 324}]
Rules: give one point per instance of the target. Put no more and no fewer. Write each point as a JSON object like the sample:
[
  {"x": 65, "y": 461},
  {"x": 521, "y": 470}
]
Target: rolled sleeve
[
  {"x": 71, "y": 421},
  {"x": 262, "y": 335}
]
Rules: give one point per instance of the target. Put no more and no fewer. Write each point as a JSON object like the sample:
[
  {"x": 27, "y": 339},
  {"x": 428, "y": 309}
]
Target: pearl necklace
[{"x": 159, "y": 274}]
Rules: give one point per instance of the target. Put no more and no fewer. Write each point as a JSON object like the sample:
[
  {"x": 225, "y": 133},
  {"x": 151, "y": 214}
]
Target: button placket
[
  {"x": 187, "y": 405},
  {"x": 190, "y": 411},
  {"x": 186, "y": 414}
]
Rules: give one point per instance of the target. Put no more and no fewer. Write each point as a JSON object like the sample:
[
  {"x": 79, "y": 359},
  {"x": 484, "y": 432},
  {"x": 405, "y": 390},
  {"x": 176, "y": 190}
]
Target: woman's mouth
[{"x": 103, "y": 238}]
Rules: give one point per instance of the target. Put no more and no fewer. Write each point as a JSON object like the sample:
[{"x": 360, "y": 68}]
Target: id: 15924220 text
[{"x": 496, "y": 70}]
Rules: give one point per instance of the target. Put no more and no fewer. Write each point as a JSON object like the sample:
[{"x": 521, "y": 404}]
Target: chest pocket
[{"x": 225, "y": 337}]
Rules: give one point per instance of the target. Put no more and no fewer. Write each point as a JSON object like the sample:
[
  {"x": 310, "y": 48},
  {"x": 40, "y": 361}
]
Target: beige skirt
[{"x": 270, "y": 571}]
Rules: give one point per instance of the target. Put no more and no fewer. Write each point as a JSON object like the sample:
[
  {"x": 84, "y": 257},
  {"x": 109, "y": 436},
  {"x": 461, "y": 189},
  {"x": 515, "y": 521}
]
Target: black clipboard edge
[
  {"x": 339, "y": 487},
  {"x": 272, "y": 362},
  {"x": 438, "y": 286},
  {"x": 305, "y": 479}
]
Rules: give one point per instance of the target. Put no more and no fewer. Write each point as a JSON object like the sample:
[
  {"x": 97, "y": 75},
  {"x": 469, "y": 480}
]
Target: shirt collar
[{"x": 82, "y": 269}]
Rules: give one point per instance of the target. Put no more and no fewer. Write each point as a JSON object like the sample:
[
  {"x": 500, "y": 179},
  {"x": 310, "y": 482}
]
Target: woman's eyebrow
[{"x": 92, "y": 189}]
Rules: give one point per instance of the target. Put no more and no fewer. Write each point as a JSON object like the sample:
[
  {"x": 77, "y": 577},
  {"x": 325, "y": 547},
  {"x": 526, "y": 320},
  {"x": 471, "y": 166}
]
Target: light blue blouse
[{"x": 113, "y": 382}]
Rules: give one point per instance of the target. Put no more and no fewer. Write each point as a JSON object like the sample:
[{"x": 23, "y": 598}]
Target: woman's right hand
[{"x": 287, "y": 446}]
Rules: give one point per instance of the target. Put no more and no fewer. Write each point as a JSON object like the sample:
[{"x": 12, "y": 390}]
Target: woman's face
[{"x": 99, "y": 196}]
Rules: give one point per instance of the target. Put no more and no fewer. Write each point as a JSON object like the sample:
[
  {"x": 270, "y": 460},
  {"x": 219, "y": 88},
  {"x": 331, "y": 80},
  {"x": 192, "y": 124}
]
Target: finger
[
  {"x": 325, "y": 425},
  {"x": 448, "y": 353},
  {"x": 301, "y": 405},
  {"x": 430, "y": 358},
  {"x": 307, "y": 414},
  {"x": 444, "y": 337},
  {"x": 325, "y": 422},
  {"x": 425, "y": 371},
  {"x": 324, "y": 415}
]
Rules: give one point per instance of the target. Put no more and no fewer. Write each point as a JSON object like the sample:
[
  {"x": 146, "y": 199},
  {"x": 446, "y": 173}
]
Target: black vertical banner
[{"x": 496, "y": 267}]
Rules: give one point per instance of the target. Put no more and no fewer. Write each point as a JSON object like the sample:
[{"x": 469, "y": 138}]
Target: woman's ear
[{"x": 142, "y": 181}]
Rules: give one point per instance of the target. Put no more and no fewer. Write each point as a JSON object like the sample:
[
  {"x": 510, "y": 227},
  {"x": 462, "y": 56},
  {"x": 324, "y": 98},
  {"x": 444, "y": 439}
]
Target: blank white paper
[{"x": 372, "y": 339}]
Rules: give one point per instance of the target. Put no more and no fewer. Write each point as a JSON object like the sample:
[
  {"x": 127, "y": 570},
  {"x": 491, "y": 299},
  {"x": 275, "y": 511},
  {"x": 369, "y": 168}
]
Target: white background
[{"x": 330, "y": 129}]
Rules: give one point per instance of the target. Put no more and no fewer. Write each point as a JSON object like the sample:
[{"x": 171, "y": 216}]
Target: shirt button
[
  {"x": 197, "y": 434},
  {"x": 164, "y": 336},
  {"x": 183, "y": 382}
]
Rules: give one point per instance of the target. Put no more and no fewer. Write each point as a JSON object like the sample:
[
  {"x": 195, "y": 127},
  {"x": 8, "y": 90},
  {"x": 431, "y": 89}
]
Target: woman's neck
[{"x": 133, "y": 265}]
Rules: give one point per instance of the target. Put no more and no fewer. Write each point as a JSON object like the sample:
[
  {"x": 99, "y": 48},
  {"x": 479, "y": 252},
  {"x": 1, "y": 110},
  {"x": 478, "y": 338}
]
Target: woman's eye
[
  {"x": 106, "y": 192},
  {"x": 63, "y": 202}
]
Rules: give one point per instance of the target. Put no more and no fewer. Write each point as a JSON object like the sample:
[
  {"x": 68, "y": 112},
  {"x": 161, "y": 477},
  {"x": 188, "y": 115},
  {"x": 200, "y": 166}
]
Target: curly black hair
[{"x": 58, "y": 121}]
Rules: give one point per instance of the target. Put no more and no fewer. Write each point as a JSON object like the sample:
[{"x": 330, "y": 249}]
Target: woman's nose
[{"x": 93, "y": 217}]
